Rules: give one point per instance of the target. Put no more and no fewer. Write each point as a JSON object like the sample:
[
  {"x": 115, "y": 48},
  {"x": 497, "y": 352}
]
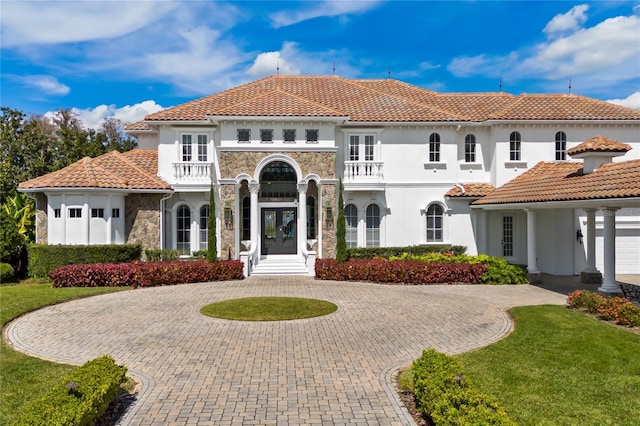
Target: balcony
[
  {"x": 363, "y": 176},
  {"x": 192, "y": 172}
]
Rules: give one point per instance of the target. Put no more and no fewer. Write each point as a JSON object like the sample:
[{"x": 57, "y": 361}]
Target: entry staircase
[{"x": 280, "y": 265}]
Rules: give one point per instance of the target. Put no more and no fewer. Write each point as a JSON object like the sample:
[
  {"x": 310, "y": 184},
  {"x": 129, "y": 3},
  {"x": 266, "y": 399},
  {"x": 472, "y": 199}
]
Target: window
[
  {"x": 56, "y": 213},
  {"x": 514, "y": 146},
  {"x": 561, "y": 146},
  {"x": 204, "y": 230},
  {"x": 186, "y": 147},
  {"x": 507, "y": 236},
  {"x": 202, "y": 147},
  {"x": 435, "y": 213},
  {"x": 246, "y": 218},
  {"x": 351, "y": 218},
  {"x": 354, "y": 148},
  {"x": 368, "y": 148},
  {"x": 75, "y": 213},
  {"x": 289, "y": 135},
  {"x": 266, "y": 135},
  {"x": 311, "y": 218},
  {"x": 434, "y": 147},
  {"x": 183, "y": 241},
  {"x": 373, "y": 225},
  {"x": 97, "y": 212},
  {"x": 312, "y": 135},
  {"x": 470, "y": 149},
  {"x": 115, "y": 213},
  {"x": 278, "y": 180},
  {"x": 244, "y": 135}
]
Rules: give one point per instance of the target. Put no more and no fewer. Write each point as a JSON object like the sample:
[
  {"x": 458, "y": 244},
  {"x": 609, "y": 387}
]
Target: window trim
[
  {"x": 434, "y": 228},
  {"x": 515, "y": 146},
  {"x": 470, "y": 148},
  {"x": 376, "y": 231},
  {"x": 434, "y": 147},
  {"x": 561, "y": 151}
]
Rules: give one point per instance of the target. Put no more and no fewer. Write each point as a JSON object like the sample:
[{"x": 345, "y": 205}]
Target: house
[{"x": 417, "y": 166}]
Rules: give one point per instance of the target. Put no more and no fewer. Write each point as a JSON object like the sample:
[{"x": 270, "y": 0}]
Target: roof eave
[
  {"x": 597, "y": 203},
  {"x": 216, "y": 119},
  {"x": 93, "y": 189}
]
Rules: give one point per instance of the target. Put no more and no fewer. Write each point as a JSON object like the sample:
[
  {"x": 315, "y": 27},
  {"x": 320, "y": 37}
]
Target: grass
[
  {"x": 23, "y": 378},
  {"x": 561, "y": 367},
  {"x": 268, "y": 308}
]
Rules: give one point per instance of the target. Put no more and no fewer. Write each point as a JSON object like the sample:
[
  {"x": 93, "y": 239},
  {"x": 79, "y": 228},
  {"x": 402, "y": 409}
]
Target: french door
[{"x": 279, "y": 231}]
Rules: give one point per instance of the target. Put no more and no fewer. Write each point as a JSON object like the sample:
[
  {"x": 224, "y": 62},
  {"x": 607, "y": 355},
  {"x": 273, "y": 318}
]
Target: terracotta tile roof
[
  {"x": 138, "y": 126},
  {"x": 599, "y": 144},
  {"x": 470, "y": 190},
  {"x": 564, "y": 181},
  {"x": 134, "y": 170},
  {"x": 563, "y": 107},
  {"x": 473, "y": 106}
]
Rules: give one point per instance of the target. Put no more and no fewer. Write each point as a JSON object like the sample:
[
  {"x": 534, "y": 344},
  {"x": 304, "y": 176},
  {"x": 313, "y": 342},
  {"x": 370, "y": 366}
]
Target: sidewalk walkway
[{"x": 335, "y": 369}]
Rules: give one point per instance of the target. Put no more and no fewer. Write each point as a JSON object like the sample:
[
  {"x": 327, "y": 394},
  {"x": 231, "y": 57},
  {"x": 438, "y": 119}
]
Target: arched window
[
  {"x": 561, "y": 146},
  {"x": 183, "y": 240},
  {"x": 278, "y": 180},
  {"x": 470, "y": 149},
  {"x": 351, "y": 217},
  {"x": 204, "y": 231},
  {"x": 435, "y": 214},
  {"x": 514, "y": 146},
  {"x": 373, "y": 225},
  {"x": 434, "y": 147}
]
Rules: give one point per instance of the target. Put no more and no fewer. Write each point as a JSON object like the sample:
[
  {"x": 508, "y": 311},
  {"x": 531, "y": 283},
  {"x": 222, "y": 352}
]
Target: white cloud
[
  {"x": 631, "y": 101},
  {"x": 268, "y": 62},
  {"x": 466, "y": 66},
  {"x": 321, "y": 9},
  {"x": 570, "y": 21},
  {"x": 44, "y": 83},
  {"x": 51, "y": 22},
  {"x": 93, "y": 118}
]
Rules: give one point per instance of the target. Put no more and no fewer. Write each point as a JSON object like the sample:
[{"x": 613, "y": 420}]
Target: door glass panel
[{"x": 279, "y": 231}]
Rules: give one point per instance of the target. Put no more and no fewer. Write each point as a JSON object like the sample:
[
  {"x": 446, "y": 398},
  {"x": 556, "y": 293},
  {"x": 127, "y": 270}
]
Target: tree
[
  {"x": 341, "y": 231},
  {"x": 212, "y": 245}
]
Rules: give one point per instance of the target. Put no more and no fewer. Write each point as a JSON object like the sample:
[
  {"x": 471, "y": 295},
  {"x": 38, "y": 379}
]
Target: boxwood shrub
[
  {"x": 445, "y": 396},
  {"x": 388, "y": 252},
  {"x": 79, "y": 398},
  {"x": 45, "y": 258},
  {"x": 162, "y": 255},
  {"x": 7, "y": 273}
]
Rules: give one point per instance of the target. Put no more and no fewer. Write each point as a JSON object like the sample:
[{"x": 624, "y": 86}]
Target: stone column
[
  {"x": 302, "y": 217},
  {"x": 609, "y": 284},
  {"x": 535, "y": 276},
  {"x": 591, "y": 275}
]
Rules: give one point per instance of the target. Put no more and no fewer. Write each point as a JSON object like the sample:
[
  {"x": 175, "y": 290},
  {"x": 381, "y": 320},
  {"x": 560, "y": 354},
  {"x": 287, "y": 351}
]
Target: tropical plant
[{"x": 18, "y": 207}]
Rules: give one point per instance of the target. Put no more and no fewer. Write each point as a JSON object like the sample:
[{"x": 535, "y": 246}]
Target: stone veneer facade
[
  {"x": 320, "y": 163},
  {"x": 142, "y": 220}
]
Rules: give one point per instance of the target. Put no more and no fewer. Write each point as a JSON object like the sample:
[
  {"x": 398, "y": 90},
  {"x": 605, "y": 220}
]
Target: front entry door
[{"x": 279, "y": 231}]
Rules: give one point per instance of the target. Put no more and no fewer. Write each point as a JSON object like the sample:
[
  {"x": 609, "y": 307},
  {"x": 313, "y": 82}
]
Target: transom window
[
  {"x": 561, "y": 146},
  {"x": 514, "y": 146},
  {"x": 434, "y": 147},
  {"x": 278, "y": 180},
  {"x": 244, "y": 135},
  {"x": 435, "y": 214},
  {"x": 289, "y": 135},
  {"x": 373, "y": 225},
  {"x": 470, "y": 149},
  {"x": 351, "y": 219},
  {"x": 312, "y": 135},
  {"x": 266, "y": 135}
]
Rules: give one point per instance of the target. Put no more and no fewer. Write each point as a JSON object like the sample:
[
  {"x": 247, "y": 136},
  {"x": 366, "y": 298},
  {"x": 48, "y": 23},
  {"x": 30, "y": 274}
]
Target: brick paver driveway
[{"x": 334, "y": 369}]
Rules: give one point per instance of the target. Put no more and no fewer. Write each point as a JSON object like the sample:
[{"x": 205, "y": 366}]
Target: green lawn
[
  {"x": 268, "y": 308},
  {"x": 23, "y": 378},
  {"x": 561, "y": 367}
]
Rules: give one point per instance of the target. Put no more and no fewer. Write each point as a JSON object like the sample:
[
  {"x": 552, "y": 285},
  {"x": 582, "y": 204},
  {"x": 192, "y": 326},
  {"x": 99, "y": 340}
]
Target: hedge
[
  {"x": 387, "y": 252},
  {"x": 7, "y": 273},
  {"x": 162, "y": 255},
  {"x": 447, "y": 397},
  {"x": 145, "y": 274},
  {"x": 79, "y": 398},
  {"x": 45, "y": 258},
  {"x": 399, "y": 271}
]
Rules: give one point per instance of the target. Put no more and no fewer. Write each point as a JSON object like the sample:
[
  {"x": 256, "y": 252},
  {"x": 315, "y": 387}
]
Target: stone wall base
[
  {"x": 535, "y": 278},
  {"x": 590, "y": 277}
]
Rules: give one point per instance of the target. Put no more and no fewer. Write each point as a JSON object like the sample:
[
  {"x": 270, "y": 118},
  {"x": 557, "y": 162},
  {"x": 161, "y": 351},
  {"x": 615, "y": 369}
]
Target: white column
[
  {"x": 609, "y": 282},
  {"x": 302, "y": 217},
  {"x": 108, "y": 213},
  {"x": 481, "y": 231},
  {"x": 65, "y": 216},
  {"x": 531, "y": 242},
  {"x": 591, "y": 240},
  {"x": 254, "y": 188},
  {"x": 86, "y": 219}
]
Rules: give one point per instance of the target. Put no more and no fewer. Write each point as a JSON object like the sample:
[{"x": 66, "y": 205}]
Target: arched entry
[{"x": 278, "y": 193}]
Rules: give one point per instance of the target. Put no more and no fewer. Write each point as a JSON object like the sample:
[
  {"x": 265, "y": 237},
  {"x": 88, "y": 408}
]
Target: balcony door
[{"x": 279, "y": 231}]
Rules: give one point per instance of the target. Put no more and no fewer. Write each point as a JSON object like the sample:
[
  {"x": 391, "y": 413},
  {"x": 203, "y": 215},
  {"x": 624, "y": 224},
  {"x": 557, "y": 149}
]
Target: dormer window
[
  {"x": 266, "y": 135},
  {"x": 312, "y": 135},
  {"x": 289, "y": 135},
  {"x": 244, "y": 135}
]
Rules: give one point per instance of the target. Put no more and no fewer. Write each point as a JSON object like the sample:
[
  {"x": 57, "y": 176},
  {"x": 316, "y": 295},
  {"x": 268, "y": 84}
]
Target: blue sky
[{"x": 125, "y": 59}]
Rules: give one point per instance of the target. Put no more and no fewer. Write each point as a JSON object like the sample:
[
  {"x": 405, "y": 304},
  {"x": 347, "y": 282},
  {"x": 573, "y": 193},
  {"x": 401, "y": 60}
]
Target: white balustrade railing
[
  {"x": 363, "y": 171},
  {"x": 192, "y": 171}
]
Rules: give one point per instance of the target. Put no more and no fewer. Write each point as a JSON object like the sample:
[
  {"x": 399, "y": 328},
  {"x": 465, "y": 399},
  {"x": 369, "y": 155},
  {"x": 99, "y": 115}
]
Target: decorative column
[
  {"x": 302, "y": 216},
  {"x": 254, "y": 188},
  {"x": 609, "y": 284},
  {"x": 108, "y": 213},
  {"x": 591, "y": 275},
  {"x": 535, "y": 276},
  {"x": 65, "y": 216},
  {"x": 86, "y": 228}
]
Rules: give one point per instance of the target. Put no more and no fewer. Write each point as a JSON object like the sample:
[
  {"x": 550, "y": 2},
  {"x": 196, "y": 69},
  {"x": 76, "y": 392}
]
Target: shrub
[
  {"x": 399, "y": 271},
  {"x": 145, "y": 274},
  {"x": 389, "y": 252},
  {"x": 80, "y": 398},
  {"x": 618, "y": 309},
  {"x": 446, "y": 397},
  {"x": 45, "y": 258},
  {"x": 6, "y": 273},
  {"x": 162, "y": 255}
]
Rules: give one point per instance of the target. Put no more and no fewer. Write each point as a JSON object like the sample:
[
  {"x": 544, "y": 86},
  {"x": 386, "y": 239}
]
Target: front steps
[{"x": 280, "y": 265}]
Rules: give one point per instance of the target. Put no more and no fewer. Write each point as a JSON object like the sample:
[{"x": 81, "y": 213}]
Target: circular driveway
[{"x": 334, "y": 369}]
